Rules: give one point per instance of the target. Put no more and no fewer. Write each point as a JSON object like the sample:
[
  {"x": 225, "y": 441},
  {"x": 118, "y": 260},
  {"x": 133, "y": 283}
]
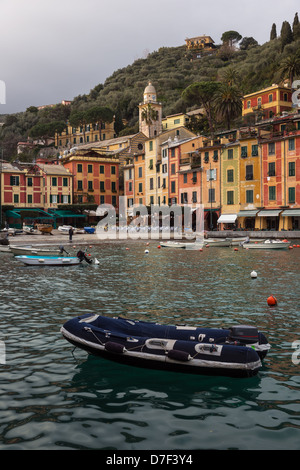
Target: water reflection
[{"x": 51, "y": 398}]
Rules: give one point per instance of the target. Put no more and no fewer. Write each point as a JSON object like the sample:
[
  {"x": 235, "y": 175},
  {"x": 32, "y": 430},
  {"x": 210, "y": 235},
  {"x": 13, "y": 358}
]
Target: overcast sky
[{"x": 53, "y": 50}]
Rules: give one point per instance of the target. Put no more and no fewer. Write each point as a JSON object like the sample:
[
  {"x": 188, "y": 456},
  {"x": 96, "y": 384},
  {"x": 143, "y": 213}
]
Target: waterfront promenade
[{"x": 86, "y": 238}]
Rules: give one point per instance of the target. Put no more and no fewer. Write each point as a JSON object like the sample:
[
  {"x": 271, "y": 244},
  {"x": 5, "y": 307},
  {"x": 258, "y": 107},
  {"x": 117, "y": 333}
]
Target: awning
[
  {"x": 247, "y": 213},
  {"x": 274, "y": 213},
  {"x": 62, "y": 214},
  {"x": 291, "y": 213},
  {"x": 227, "y": 219}
]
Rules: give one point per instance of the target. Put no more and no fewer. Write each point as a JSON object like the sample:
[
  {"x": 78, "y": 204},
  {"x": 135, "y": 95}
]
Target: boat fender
[
  {"x": 177, "y": 355},
  {"x": 116, "y": 348}
]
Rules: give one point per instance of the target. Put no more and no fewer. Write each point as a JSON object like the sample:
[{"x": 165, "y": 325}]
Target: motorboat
[
  {"x": 42, "y": 260},
  {"x": 30, "y": 230},
  {"x": 37, "y": 250},
  {"x": 234, "y": 352},
  {"x": 32, "y": 260},
  {"x": 184, "y": 245},
  {"x": 64, "y": 229},
  {"x": 267, "y": 245},
  {"x": 217, "y": 242},
  {"x": 5, "y": 249}
]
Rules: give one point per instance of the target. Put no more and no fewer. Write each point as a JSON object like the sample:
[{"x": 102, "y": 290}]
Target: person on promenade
[{"x": 70, "y": 234}]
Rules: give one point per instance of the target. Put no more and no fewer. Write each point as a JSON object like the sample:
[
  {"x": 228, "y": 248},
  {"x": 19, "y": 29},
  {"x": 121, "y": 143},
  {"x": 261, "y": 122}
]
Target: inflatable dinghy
[{"x": 234, "y": 352}]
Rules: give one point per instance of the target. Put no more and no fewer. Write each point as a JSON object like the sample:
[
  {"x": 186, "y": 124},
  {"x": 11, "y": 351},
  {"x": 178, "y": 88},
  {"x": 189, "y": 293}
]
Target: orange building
[{"x": 96, "y": 176}]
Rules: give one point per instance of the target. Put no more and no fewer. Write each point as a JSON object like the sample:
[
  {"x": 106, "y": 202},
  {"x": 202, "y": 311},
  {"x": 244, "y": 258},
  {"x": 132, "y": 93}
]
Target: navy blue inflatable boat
[{"x": 234, "y": 352}]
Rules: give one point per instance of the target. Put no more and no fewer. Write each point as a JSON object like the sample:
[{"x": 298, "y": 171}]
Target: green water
[{"x": 55, "y": 398}]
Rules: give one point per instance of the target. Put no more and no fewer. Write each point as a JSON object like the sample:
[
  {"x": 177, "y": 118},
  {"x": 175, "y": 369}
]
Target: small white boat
[
  {"x": 5, "y": 249},
  {"x": 65, "y": 229},
  {"x": 217, "y": 242},
  {"x": 267, "y": 245},
  {"x": 171, "y": 244},
  {"x": 49, "y": 260},
  {"x": 37, "y": 250},
  {"x": 29, "y": 230},
  {"x": 184, "y": 245}
]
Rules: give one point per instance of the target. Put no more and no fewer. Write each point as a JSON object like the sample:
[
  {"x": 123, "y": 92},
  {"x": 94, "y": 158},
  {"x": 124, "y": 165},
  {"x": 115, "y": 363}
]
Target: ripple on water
[{"x": 55, "y": 398}]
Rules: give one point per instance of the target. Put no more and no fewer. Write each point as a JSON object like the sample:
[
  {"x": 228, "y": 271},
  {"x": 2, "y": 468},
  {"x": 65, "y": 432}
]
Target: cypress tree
[
  {"x": 273, "y": 34},
  {"x": 296, "y": 27},
  {"x": 286, "y": 34}
]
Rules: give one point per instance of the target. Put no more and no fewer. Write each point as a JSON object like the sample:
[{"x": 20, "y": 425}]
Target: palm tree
[
  {"x": 290, "y": 67},
  {"x": 149, "y": 114},
  {"x": 228, "y": 103},
  {"x": 203, "y": 94}
]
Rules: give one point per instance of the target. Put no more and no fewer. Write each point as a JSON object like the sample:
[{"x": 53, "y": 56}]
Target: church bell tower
[{"x": 150, "y": 113}]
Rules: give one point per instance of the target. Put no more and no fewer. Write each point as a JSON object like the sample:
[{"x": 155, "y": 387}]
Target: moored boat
[
  {"x": 235, "y": 352},
  {"x": 267, "y": 245},
  {"x": 45, "y": 228},
  {"x": 217, "y": 241},
  {"x": 32, "y": 260},
  {"x": 37, "y": 250},
  {"x": 5, "y": 249}
]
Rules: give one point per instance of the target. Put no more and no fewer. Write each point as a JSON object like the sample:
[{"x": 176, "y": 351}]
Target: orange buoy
[
  {"x": 207, "y": 246},
  {"x": 200, "y": 249},
  {"x": 127, "y": 248},
  {"x": 290, "y": 247},
  {"x": 159, "y": 246},
  {"x": 236, "y": 249},
  {"x": 272, "y": 301}
]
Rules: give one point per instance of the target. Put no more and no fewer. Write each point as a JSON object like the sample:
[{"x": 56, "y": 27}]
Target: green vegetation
[{"x": 172, "y": 71}]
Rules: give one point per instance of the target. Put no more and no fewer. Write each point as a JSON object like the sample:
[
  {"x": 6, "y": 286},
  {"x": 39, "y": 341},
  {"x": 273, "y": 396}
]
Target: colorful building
[
  {"x": 280, "y": 178},
  {"x": 96, "y": 176},
  {"x": 200, "y": 46},
  {"x": 88, "y": 133},
  {"x": 35, "y": 185},
  {"x": 210, "y": 153},
  {"x": 267, "y": 103}
]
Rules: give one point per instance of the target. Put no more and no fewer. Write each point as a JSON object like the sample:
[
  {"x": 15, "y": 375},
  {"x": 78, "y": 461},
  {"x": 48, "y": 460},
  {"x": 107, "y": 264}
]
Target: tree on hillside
[
  {"x": 290, "y": 67},
  {"x": 98, "y": 115},
  {"x": 248, "y": 42},
  {"x": 45, "y": 131},
  {"x": 273, "y": 34},
  {"x": 230, "y": 76},
  {"x": 286, "y": 34},
  {"x": 78, "y": 118},
  {"x": 296, "y": 27},
  {"x": 203, "y": 94},
  {"x": 231, "y": 38},
  {"x": 228, "y": 103}
]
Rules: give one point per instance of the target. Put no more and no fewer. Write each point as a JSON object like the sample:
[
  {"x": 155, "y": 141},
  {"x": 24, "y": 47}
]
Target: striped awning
[
  {"x": 227, "y": 219},
  {"x": 274, "y": 213},
  {"x": 247, "y": 213},
  {"x": 291, "y": 213}
]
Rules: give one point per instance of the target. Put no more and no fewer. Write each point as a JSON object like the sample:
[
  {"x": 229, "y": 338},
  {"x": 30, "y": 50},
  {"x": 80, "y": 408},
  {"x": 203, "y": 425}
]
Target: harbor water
[{"x": 55, "y": 397}]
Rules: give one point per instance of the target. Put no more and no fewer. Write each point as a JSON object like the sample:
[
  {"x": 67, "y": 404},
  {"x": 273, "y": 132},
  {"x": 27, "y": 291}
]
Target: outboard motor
[
  {"x": 82, "y": 256},
  {"x": 243, "y": 334}
]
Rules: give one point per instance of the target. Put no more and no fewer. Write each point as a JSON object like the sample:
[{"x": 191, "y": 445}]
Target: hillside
[{"x": 171, "y": 70}]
